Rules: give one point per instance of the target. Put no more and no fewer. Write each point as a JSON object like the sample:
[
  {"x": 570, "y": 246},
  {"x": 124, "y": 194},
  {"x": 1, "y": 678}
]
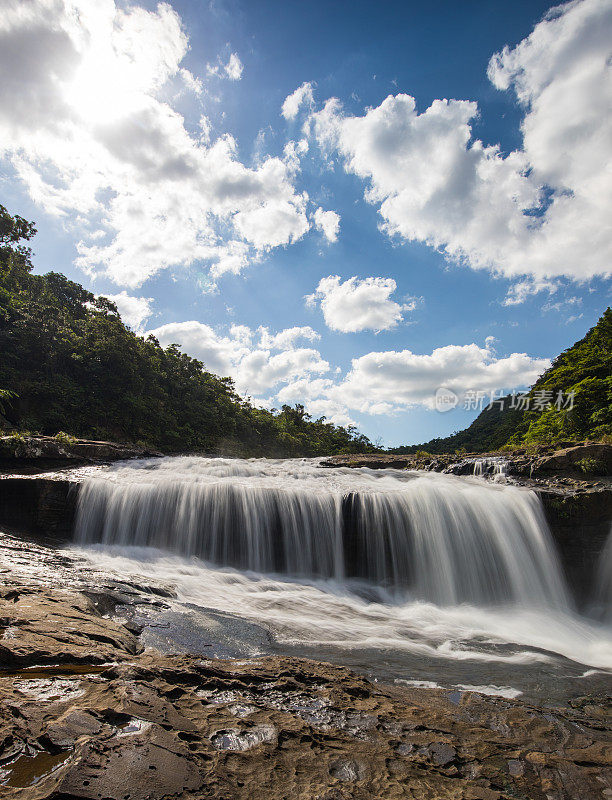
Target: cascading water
[
  {"x": 603, "y": 582},
  {"x": 410, "y": 574},
  {"x": 440, "y": 539},
  {"x": 494, "y": 467}
]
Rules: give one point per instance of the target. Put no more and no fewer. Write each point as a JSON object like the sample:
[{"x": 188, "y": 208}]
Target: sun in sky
[{"x": 346, "y": 205}]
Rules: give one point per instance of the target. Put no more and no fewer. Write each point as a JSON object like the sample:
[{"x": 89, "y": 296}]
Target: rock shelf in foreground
[{"x": 85, "y": 712}]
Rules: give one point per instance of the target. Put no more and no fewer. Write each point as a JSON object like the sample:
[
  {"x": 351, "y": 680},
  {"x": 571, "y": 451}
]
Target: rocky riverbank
[
  {"x": 90, "y": 711},
  {"x": 586, "y": 463}
]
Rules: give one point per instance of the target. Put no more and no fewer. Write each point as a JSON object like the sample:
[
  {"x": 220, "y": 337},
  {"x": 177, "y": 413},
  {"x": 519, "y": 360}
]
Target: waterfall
[
  {"x": 603, "y": 582},
  {"x": 494, "y": 466},
  {"x": 425, "y": 536}
]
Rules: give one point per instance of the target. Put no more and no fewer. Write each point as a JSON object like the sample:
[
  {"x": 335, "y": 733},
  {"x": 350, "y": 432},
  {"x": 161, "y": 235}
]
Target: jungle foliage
[{"x": 68, "y": 363}]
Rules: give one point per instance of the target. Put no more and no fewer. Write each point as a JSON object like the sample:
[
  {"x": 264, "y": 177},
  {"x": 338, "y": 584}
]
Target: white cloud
[
  {"x": 542, "y": 211},
  {"x": 232, "y": 69},
  {"x": 192, "y": 83},
  {"x": 328, "y": 222},
  {"x": 563, "y": 305},
  {"x": 246, "y": 355},
  {"x": 313, "y": 394},
  {"x": 383, "y": 382},
  {"x": 521, "y": 290},
  {"x": 388, "y": 382},
  {"x": 276, "y": 370},
  {"x": 301, "y": 97},
  {"x": 357, "y": 305},
  {"x": 286, "y": 338},
  {"x": 134, "y": 310},
  {"x": 88, "y": 127},
  {"x": 293, "y": 152}
]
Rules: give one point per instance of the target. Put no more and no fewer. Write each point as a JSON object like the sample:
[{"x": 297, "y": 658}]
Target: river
[{"x": 417, "y": 577}]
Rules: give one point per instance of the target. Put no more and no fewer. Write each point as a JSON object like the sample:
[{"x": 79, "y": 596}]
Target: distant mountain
[{"x": 571, "y": 401}]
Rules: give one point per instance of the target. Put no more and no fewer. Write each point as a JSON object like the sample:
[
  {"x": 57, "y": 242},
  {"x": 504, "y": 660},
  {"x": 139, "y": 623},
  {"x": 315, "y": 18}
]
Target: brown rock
[{"x": 587, "y": 459}]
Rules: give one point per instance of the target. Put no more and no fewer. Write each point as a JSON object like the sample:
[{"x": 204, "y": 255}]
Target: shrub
[
  {"x": 591, "y": 466},
  {"x": 65, "y": 438}
]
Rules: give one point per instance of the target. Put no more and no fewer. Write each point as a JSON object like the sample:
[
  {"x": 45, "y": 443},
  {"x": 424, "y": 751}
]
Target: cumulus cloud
[
  {"x": 276, "y": 368},
  {"x": 286, "y": 338},
  {"x": 302, "y": 97},
  {"x": 313, "y": 394},
  {"x": 133, "y": 310},
  {"x": 384, "y": 382},
  {"x": 357, "y": 305},
  {"x": 88, "y": 125},
  {"x": 257, "y": 360},
  {"x": 388, "y": 382},
  {"x": 328, "y": 222},
  {"x": 542, "y": 211}
]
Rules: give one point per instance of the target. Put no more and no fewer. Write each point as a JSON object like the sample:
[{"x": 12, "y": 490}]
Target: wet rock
[
  {"x": 76, "y": 723},
  {"x": 45, "y": 690},
  {"x": 152, "y": 766},
  {"x": 240, "y": 740},
  {"x": 516, "y": 768},
  {"x": 344, "y": 770},
  {"x": 442, "y": 753},
  {"x": 59, "y": 627},
  {"x": 153, "y": 726}
]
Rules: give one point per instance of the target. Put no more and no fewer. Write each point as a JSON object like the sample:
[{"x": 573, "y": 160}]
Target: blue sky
[{"x": 460, "y": 238}]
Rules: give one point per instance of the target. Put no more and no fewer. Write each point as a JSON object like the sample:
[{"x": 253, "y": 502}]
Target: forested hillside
[
  {"x": 68, "y": 363},
  {"x": 583, "y": 376}
]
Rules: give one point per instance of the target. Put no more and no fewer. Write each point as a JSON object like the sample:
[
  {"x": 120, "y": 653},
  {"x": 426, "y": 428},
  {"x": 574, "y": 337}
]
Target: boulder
[{"x": 582, "y": 460}]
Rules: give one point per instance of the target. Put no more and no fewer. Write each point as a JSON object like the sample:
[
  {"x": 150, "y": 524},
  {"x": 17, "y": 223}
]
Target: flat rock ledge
[
  {"x": 18, "y": 451},
  {"x": 85, "y": 712}
]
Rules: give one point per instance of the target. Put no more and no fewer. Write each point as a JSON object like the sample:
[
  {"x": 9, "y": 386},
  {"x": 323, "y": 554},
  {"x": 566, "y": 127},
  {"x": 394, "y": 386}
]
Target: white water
[
  {"x": 419, "y": 535},
  {"x": 495, "y": 467},
  {"x": 414, "y": 563},
  {"x": 603, "y": 584}
]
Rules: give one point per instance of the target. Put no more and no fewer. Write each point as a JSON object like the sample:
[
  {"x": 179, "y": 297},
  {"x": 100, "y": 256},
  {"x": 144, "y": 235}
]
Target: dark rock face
[
  {"x": 38, "y": 505},
  {"x": 147, "y": 726},
  {"x": 580, "y": 522}
]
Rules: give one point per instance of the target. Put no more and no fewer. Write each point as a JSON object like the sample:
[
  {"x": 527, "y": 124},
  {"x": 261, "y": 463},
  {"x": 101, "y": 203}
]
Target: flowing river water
[{"x": 417, "y": 577}]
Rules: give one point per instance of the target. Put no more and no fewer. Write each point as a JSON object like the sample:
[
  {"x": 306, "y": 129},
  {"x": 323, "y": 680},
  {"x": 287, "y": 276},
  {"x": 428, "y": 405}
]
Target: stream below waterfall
[{"x": 418, "y": 577}]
